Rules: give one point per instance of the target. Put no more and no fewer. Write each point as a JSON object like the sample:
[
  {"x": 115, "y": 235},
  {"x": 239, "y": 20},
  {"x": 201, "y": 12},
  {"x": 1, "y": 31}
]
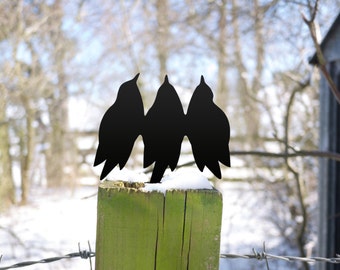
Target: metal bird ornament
[
  {"x": 163, "y": 131},
  {"x": 208, "y": 130},
  {"x": 120, "y": 127}
]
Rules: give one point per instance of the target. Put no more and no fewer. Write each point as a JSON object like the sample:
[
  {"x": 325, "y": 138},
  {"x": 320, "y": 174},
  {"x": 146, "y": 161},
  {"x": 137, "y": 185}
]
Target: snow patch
[
  {"x": 182, "y": 179},
  {"x": 127, "y": 175}
]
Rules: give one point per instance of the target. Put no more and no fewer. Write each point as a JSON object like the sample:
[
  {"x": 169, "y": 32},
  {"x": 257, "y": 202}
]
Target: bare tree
[
  {"x": 222, "y": 56},
  {"x": 21, "y": 88},
  {"x": 61, "y": 48},
  {"x": 162, "y": 36},
  {"x": 37, "y": 47}
]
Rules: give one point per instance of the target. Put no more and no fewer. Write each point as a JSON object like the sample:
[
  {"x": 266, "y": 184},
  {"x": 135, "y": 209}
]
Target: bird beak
[
  {"x": 136, "y": 77},
  {"x": 202, "y": 79}
]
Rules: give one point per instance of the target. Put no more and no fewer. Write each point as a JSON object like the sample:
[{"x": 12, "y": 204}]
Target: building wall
[{"x": 329, "y": 181}]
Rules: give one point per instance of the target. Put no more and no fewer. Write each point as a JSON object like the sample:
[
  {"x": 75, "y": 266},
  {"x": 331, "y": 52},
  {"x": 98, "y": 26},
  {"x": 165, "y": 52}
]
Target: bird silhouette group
[{"x": 163, "y": 129}]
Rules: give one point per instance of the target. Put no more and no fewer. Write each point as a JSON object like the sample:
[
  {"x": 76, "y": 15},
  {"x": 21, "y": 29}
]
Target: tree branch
[
  {"x": 302, "y": 153},
  {"x": 321, "y": 62}
]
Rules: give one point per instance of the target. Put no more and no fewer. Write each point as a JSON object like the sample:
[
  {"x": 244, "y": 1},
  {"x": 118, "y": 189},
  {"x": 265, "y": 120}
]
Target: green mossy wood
[{"x": 150, "y": 231}]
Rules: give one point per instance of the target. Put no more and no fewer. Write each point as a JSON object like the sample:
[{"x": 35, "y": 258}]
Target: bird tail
[
  {"x": 225, "y": 160},
  {"x": 108, "y": 167},
  {"x": 214, "y": 167},
  {"x": 225, "y": 157},
  {"x": 158, "y": 172}
]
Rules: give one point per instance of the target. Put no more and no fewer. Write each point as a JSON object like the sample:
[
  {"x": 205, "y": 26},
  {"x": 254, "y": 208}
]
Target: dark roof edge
[{"x": 313, "y": 60}]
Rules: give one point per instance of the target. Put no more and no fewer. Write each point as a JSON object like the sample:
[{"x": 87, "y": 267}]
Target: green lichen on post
[{"x": 147, "y": 230}]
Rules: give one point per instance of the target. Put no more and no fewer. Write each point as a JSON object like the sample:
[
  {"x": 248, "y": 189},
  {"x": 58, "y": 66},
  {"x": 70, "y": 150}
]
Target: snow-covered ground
[
  {"x": 55, "y": 221},
  {"x": 51, "y": 225}
]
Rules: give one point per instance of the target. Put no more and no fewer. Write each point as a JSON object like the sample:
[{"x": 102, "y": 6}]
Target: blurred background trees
[{"x": 62, "y": 62}]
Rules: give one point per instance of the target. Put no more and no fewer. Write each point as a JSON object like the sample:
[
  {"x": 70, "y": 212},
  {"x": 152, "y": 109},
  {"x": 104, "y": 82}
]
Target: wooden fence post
[{"x": 153, "y": 231}]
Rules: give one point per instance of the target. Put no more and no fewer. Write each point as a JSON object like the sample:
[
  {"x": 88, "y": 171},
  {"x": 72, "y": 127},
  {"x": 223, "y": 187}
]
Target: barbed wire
[
  {"x": 262, "y": 255},
  {"x": 84, "y": 254}
]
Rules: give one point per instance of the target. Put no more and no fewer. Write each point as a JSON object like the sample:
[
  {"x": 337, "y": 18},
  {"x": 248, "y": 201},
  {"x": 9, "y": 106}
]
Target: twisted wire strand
[
  {"x": 84, "y": 254},
  {"x": 263, "y": 256}
]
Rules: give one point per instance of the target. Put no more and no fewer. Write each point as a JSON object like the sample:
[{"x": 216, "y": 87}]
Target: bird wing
[
  {"x": 222, "y": 136},
  {"x": 105, "y": 136}
]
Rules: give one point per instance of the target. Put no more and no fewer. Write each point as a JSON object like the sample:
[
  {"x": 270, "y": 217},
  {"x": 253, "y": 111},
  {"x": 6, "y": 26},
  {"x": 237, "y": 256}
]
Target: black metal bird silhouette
[
  {"x": 208, "y": 130},
  {"x": 120, "y": 127},
  {"x": 163, "y": 131}
]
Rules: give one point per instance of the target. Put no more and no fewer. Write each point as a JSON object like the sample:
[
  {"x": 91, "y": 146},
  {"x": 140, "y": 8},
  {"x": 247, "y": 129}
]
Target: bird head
[
  {"x": 128, "y": 90},
  {"x": 203, "y": 90}
]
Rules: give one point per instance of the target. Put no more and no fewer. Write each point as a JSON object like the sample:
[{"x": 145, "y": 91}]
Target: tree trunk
[
  {"x": 58, "y": 111},
  {"x": 7, "y": 190},
  {"x": 26, "y": 150},
  {"x": 55, "y": 155},
  {"x": 222, "y": 93},
  {"x": 248, "y": 92},
  {"x": 162, "y": 37}
]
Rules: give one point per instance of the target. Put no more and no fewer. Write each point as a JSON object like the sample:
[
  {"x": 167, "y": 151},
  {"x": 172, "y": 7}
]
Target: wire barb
[{"x": 84, "y": 254}]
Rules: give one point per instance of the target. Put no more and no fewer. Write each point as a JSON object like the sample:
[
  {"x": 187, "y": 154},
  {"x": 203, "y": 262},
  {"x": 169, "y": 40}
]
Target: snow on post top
[{"x": 181, "y": 179}]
